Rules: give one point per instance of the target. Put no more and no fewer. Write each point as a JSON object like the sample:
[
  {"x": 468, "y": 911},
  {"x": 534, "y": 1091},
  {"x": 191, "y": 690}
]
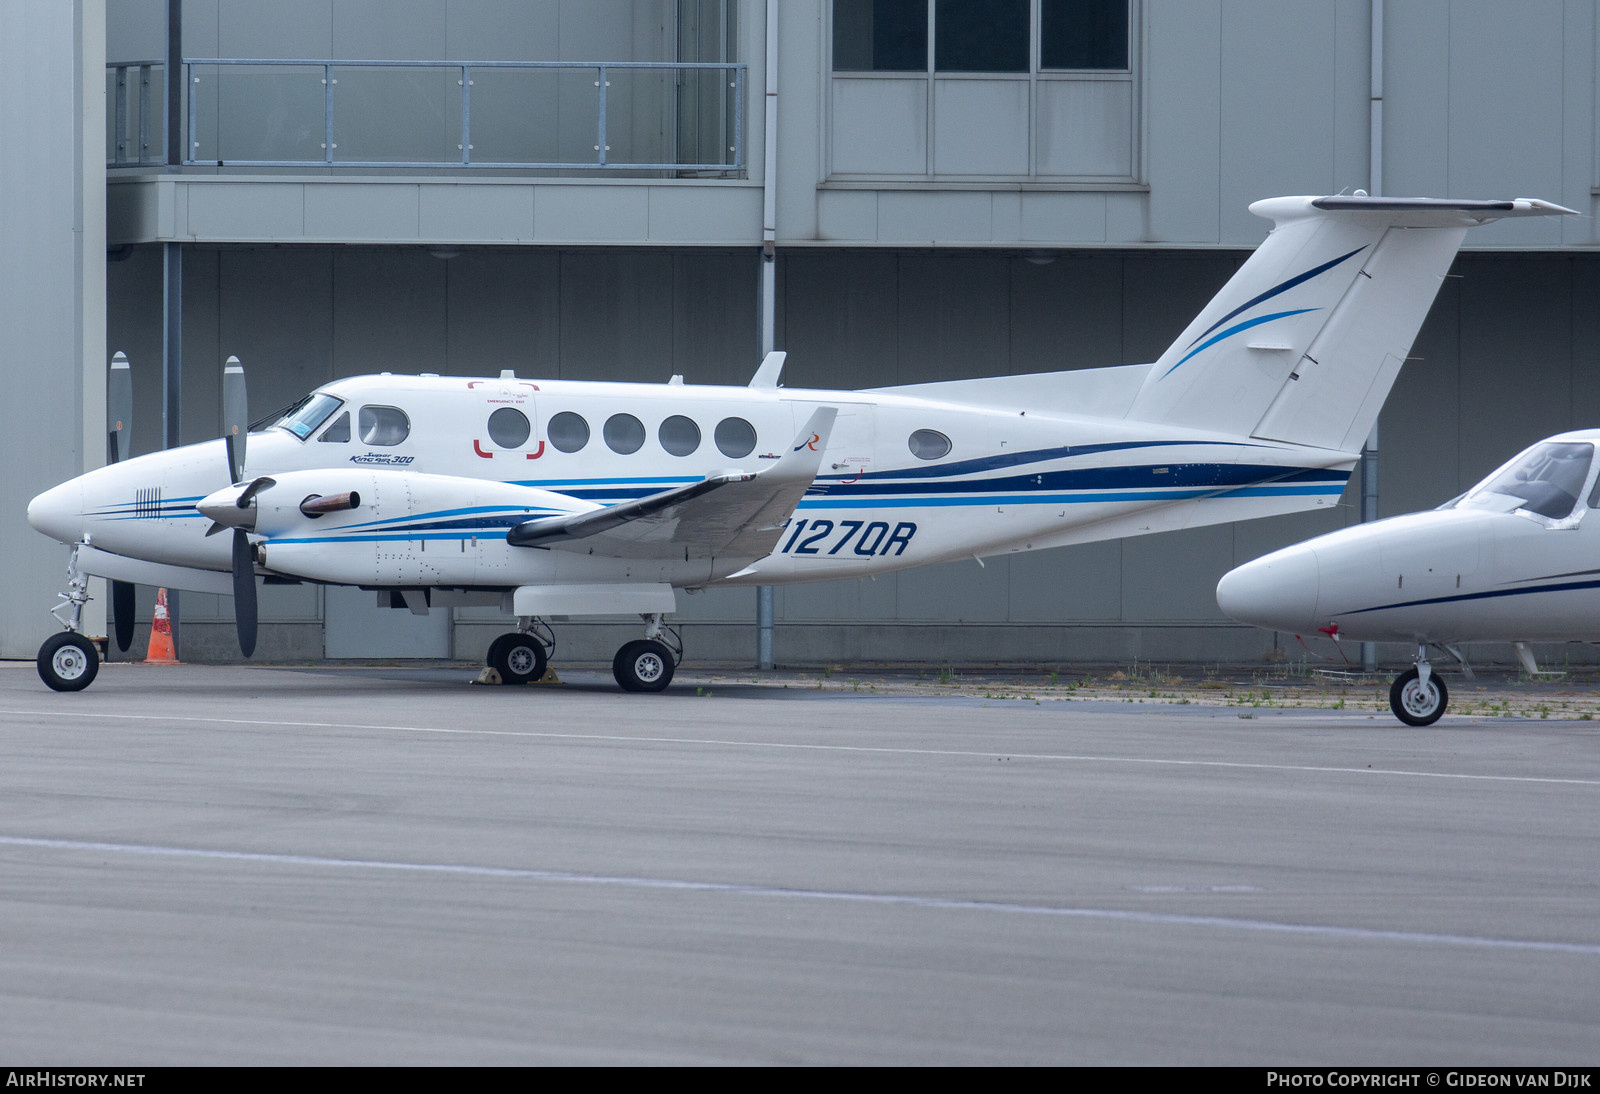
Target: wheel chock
[{"x": 488, "y": 676}]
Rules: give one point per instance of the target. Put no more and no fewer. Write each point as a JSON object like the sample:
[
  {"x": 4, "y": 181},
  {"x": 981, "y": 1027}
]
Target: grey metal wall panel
[
  {"x": 954, "y": 317},
  {"x": 616, "y": 316},
  {"x": 478, "y": 213},
  {"x": 248, "y": 28},
  {"x": 389, "y": 311},
  {"x": 1183, "y": 44},
  {"x": 714, "y": 333},
  {"x": 277, "y": 316},
  {"x": 1277, "y": 108},
  {"x": 840, "y": 319},
  {"x": 1066, "y": 314},
  {"x": 503, "y": 312}
]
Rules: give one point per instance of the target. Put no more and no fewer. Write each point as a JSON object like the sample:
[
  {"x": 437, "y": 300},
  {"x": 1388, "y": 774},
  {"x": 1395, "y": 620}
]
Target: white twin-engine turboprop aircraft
[
  {"x": 1513, "y": 559},
  {"x": 574, "y": 498}
]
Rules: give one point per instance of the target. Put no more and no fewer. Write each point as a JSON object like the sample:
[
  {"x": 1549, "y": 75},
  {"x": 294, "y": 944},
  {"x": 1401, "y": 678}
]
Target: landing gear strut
[
  {"x": 647, "y": 664},
  {"x": 1419, "y": 697},
  {"x": 522, "y": 656},
  {"x": 68, "y": 661}
]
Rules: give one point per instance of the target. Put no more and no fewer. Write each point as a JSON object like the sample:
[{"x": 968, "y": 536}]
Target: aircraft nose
[
  {"x": 58, "y": 512},
  {"x": 1277, "y": 591}
]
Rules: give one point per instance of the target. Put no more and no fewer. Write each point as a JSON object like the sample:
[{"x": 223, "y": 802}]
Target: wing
[{"x": 736, "y": 515}]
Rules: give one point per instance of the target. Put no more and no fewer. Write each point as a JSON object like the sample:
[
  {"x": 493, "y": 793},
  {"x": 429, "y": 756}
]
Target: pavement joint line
[
  {"x": 1122, "y": 915},
  {"x": 882, "y": 749}
]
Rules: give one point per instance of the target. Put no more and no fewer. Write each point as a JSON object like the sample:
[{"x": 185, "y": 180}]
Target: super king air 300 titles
[{"x": 571, "y": 498}]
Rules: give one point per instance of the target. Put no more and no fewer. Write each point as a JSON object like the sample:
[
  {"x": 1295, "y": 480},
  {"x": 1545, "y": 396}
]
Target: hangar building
[{"x": 581, "y": 189}]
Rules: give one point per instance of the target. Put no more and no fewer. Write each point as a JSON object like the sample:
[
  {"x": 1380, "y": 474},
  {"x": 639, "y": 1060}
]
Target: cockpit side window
[
  {"x": 339, "y": 431},
  {"x": 383, "y": 425},
  {"x": 303, "y": 419},
  {"x": 1547, "y": 481}
]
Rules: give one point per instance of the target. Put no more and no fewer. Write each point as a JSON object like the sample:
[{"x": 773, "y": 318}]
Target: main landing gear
[
  {"x": 648, "y": 663},
  {"x": 522, "y": 656},
  {"x": 68, "y": 661},
  {"x": 645, "y": 664}
]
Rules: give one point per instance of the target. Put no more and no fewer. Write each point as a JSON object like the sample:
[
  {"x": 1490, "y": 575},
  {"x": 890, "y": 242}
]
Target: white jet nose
[
  {"x": 1277, "y": 591},
  {"x": 58, "y": 512}
]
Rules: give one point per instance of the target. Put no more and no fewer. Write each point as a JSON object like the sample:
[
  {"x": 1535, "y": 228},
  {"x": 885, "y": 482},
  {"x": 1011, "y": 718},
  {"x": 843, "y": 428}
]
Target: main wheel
[
  {"x": 1415, "y": 703},
  {"x": 68, "y": 662},
  {"x": 518, "y": 658},
  {"x": 644, "y": 665}
]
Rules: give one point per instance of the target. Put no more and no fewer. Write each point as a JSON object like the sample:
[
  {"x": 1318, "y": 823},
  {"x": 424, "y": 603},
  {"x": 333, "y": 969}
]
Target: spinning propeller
[{"x": 235, "y": 431}]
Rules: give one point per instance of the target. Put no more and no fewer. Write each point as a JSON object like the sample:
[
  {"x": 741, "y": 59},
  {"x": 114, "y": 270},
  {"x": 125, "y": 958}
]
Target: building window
[{"x": 984, "y": 89}]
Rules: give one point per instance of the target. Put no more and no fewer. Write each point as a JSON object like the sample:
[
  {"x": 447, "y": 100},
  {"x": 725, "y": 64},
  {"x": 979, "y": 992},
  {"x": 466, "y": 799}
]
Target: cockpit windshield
[
  {"x": 1546, "y": 480},
  {"x": 304, "y": 417}
]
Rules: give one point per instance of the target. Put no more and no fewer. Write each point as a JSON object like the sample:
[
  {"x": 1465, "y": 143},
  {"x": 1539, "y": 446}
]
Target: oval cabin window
[
  {"x": 929, "y": 444},
  {"x": 509, "y": 428},
  {"x": 568, "y": 432}
]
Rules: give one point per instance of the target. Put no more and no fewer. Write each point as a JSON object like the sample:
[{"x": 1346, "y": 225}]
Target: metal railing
[{"x": 680, "y": 117}]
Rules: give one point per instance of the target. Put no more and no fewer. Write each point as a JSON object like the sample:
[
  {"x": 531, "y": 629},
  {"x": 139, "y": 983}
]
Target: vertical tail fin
[{"x": 1304, "y": 342}]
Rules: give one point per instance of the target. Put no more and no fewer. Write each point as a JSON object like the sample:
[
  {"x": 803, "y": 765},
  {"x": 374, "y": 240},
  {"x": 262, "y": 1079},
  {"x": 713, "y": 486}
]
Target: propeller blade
[
  {"x": 123, "y": 608},
  {"x": 119, "y": 408},
  {"x": 244, "y": 592},
  {"x": 235, "y": 416}
]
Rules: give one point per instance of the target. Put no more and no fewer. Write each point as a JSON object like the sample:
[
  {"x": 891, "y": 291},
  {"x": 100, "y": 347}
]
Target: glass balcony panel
[
  {"x": 396, "y": 115},
  {"x": 269, "y": 113},
  {"x": 516, "y": 115}
]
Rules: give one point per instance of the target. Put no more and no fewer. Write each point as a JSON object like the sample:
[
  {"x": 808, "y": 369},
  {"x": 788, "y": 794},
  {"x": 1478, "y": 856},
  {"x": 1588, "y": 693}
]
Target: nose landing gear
[
  {"x": 68, "y": 661},
  {"x": 1418, "y": 697}
]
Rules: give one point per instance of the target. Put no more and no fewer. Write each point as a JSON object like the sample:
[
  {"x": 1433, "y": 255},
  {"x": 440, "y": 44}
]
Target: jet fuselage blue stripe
[{"x": 1570, "y": 586}]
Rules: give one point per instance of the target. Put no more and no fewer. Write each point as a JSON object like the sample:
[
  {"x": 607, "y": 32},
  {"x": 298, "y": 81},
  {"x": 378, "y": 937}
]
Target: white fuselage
[
  {"x": 1493, "y": 565},
  {"x": 903, "y": 481}
]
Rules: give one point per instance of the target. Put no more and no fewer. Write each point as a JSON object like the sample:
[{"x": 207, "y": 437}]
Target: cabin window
[
  {"x": 567, "y": 431},
  {"x": 624, "y": 434},
  {"x": 302, "y": 420},
  {"x": 339, "y": 431},
  {"x": 509, "y": 428},
  {"x": 929, "y": 444},
  {"x": 679, "y": 435},
  {"x": 735, "y": 437},
  {"x": 383, "y": 425}
]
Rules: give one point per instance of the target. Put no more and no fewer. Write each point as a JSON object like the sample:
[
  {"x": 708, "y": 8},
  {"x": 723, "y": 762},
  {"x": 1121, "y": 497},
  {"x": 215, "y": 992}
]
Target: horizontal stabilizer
[{"x": 734, "y": 515}]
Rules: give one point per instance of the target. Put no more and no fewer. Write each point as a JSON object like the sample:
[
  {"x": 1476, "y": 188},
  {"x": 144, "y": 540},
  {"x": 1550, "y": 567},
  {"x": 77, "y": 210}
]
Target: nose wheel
[
  {"x": 1418, "y": 697},
  {"x": 68, "y": 662}
]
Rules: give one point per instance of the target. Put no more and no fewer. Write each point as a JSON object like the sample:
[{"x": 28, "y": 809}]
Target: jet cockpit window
[
  {"x": 384, "y": 425},
  {"x": 1547, "y": 480},
  {"x": 508, "y": 427},
  {"x": 567, "y": 431},
  {"x": 339, "y": 431},
  {"x": 303, "y": 419}
]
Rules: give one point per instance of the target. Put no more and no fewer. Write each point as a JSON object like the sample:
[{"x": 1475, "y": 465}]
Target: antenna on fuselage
[{"x": 771, "y": 368}]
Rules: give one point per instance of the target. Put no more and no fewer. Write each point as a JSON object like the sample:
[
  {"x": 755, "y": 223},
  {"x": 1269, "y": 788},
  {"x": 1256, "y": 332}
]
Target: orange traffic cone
[{"x": 160, "y": 651}]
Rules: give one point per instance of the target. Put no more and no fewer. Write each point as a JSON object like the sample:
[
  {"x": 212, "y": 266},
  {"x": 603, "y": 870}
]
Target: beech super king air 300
[
  {"x": 574, "y": 498},
  {"x": 1513, "y": 560}
]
